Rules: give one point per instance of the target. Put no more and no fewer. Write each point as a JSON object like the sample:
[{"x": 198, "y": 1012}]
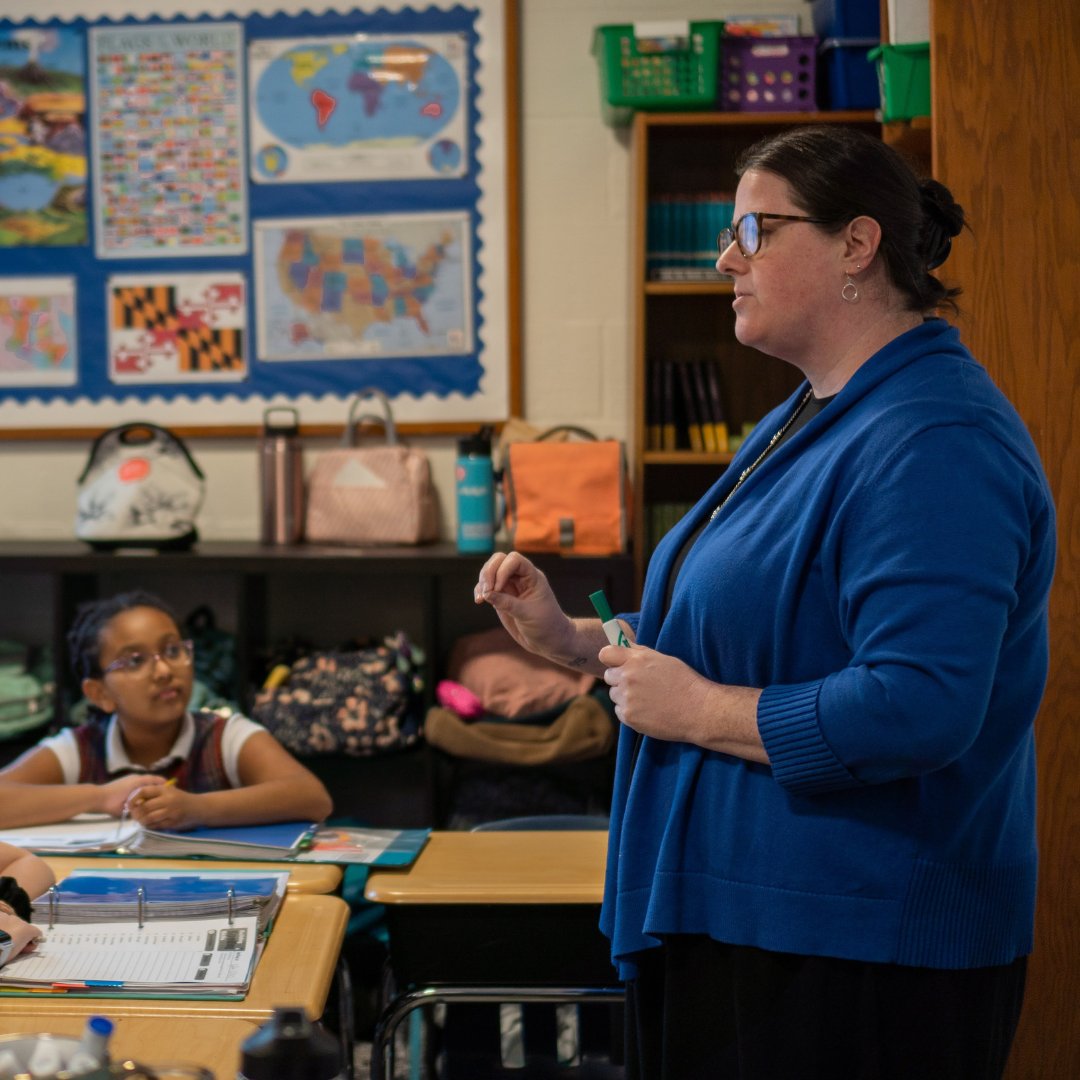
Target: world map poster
[
  {"x": 358, "y": 107},
  {"x": 381, "y": 287}
]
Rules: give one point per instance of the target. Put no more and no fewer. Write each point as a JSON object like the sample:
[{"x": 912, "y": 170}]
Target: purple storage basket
[{"x": 768, "y": 74}]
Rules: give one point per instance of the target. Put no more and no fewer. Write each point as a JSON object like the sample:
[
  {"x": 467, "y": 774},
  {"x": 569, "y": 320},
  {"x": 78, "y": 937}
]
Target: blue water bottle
[{"x": 475, "y": 494}]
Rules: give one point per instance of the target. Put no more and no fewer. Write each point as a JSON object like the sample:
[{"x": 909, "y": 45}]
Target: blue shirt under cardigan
[{"x": 884, "y": 576}]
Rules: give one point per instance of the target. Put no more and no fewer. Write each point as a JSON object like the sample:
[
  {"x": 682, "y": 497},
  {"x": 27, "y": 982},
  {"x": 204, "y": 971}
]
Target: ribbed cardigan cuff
[{"x": 801, "y": 759}]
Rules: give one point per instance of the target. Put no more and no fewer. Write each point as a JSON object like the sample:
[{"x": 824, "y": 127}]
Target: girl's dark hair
[
  {"x": 11, "y": 892},
  {"x": 838, "y": 174},
  {"x": 84, "y": 637}
]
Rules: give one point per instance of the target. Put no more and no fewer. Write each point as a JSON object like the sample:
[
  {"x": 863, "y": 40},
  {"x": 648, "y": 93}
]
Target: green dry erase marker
[{"x": 612, "y": 629}]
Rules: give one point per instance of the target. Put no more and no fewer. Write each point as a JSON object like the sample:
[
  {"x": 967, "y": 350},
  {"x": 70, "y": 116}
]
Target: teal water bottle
[{"x": 475, "y": 494}]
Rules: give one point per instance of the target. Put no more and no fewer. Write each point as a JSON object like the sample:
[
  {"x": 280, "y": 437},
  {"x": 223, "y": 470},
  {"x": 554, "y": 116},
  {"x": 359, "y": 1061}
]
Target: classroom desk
[
  {"x": 296, "y": 968},
  {"x": 498, "y": 868},
  {"x": 152, "y": 1040},
  {"x": 305, "y": 878},
  {"x": 494, "y": 916}
]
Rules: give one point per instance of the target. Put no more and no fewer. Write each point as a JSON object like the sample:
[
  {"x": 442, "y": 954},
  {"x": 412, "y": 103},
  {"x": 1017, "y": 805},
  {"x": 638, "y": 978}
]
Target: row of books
[
  {"x": 684, "y": 407},
  {"x": 681, "y": 233}
]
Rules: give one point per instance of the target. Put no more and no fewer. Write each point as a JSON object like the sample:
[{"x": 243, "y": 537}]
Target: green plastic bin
[
  {"x": 904, "y": 79},
  {"x": 663, "y": 71}
]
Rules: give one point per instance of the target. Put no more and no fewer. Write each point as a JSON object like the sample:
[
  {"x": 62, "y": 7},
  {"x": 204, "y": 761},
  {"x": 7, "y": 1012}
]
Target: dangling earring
[{"x": 850, "y": 291}]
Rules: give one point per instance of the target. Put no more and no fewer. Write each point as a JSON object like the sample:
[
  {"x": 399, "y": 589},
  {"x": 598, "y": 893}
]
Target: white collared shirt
[{"x": 237, "y": 731}]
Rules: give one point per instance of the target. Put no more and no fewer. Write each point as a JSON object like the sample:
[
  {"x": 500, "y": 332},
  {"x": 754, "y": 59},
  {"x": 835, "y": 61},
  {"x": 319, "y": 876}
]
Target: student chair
[
  {"x": 564, "y": 1033},
  {"x": 545, "y": 823}
]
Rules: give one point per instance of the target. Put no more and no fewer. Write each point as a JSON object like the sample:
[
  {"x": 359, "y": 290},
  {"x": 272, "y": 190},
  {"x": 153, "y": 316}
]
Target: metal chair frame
[{"x": 382, "y": 1049}]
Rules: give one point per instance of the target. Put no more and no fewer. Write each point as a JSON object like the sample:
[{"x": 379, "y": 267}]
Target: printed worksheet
[{"x": 207, "y": 956}]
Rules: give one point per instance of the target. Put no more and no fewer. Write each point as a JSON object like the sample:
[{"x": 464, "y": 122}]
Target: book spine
[
  {"x": 668, "y": 441},
  {"x": 654, "y": 434},
  {"x": 708, "y": 419},
  {"x": 716, "y": 406},
  {"x": 690, "y": 407}
]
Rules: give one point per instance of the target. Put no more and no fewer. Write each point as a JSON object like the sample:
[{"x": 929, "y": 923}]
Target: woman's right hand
[{"x": 525, "y": 604}]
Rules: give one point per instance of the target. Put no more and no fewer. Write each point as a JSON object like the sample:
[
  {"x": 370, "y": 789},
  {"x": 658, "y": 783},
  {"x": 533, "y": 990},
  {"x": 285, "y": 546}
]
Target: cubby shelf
[{"x": 324, "y": 595}]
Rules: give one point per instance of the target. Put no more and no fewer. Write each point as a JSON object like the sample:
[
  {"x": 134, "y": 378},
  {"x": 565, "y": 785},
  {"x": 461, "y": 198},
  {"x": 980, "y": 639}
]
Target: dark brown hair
[
  {"x": 838, "y": 174},
  {"x": 84, "y": 637}
]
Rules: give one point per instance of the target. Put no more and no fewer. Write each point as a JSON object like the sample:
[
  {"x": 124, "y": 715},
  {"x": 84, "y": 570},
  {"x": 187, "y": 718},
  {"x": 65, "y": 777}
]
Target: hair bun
[
  {"x": 12, "y": 893},
  {"x": 943, "y": 218}
]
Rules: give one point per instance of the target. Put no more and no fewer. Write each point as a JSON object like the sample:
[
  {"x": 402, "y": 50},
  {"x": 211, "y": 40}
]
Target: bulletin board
[{"x": 217, "y": 208}]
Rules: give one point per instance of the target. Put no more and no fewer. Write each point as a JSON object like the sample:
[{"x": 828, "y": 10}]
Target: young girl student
[{"x": 144, "y": 751}]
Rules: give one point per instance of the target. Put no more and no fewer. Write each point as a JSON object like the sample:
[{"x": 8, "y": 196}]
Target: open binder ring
[{"x": 140, "y": 910}]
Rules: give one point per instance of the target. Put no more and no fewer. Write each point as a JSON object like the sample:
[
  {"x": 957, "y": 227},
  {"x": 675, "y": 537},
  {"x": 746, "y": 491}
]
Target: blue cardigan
[{"x": 884, "y": 576}]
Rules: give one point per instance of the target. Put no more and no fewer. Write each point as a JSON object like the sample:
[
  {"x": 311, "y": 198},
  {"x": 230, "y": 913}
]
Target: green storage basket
[
  {"x": 657, "y": 71},
  {"x": 904, "y": 79}
]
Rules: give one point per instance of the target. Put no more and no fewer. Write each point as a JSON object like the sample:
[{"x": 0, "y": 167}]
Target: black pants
[{"x": 700, "y": 1010}]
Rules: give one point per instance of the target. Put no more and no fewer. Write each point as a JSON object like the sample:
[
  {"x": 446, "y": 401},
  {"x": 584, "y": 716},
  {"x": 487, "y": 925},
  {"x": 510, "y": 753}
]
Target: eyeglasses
[
  {"x": 746, "y": 232},
  {"x": 177, "y": 654}
]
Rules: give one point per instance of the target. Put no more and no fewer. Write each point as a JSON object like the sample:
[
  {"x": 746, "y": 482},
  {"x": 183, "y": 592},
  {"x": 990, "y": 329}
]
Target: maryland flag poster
[{"x": 177, "y": 328}]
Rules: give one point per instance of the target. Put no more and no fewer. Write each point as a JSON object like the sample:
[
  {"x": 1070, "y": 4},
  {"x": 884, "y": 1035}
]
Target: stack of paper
[
  {"x": 279, "y": 841},
  {"x": 90, "y": 896}
]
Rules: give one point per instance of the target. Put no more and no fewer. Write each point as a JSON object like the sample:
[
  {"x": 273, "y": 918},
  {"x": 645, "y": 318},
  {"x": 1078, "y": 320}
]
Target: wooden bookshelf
[{"x": 689, "y": 154}]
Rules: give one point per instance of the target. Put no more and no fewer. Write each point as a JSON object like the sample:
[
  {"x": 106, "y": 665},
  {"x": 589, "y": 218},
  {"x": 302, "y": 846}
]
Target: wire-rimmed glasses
[{"x": 177, "y": 654}]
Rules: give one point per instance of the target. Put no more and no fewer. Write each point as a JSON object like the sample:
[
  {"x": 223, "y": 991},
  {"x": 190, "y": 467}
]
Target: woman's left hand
[
  {"x": 664, "y": 698},
  {"x": 24, "y": 935},
  {"x": 645, "y": 685},
  {"x": 165, "y": 807}
]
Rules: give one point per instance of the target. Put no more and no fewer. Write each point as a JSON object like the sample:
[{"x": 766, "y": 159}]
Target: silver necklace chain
[{"x": 764, "y": 453}]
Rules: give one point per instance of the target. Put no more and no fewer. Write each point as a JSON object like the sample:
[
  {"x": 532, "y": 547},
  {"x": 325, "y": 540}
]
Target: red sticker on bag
[{"x": 133, "y": 469}]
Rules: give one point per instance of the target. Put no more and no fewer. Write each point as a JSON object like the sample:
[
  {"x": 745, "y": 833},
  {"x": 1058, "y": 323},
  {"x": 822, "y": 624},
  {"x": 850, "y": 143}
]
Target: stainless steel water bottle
[{"x": 281, "y": 476}]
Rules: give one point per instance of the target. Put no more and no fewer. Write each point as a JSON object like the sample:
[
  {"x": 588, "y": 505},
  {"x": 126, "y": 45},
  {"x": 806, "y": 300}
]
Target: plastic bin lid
[{"x": 907, "y": 47}]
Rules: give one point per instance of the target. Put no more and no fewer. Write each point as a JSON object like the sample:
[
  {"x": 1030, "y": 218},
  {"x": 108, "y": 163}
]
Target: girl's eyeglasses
[
  {"x": 746, "y": 232},
  {"x": 177, "y": 654}
]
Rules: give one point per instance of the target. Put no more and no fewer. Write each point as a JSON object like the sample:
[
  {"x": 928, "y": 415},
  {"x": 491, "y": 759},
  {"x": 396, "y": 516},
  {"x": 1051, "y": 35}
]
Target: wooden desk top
[
  {"x": 296, "y": 968},
  {"x": 151, "y": 1040},
  {"x": 308, "y": 878},
  {"x": 498, "y": 868}
]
